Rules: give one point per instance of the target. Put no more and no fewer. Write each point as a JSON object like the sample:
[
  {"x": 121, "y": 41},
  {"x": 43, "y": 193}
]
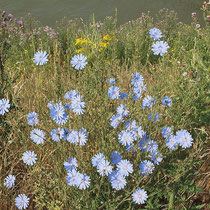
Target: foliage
[{"x": 112, "y": 52}]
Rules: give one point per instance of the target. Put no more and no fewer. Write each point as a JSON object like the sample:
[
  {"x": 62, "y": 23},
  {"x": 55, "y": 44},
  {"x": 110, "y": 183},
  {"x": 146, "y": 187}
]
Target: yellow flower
[
  {"x": 25, "y": 51},
  {"x": 81, "y": 41},
  {"x": 80, "y": 50},
  {"x": 78, "y": 41},
  {"x": 88, "y": 41},
  {"x": 103, "y": 44},
  {"x": 107, "y": 38}
]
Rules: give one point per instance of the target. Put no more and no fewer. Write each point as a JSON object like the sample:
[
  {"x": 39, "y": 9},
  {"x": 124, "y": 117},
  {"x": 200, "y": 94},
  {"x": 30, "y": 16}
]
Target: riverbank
[{"x": 113, "y": 117}]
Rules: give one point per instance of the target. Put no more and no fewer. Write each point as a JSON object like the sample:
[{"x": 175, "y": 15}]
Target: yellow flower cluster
[
  {"x": 104, "y": 44},
  {"x": 107, "y": 38},
  {"x": 80, "y": 50},
  {"x": 80, "y": 42},
  {"x": 84, "y": 43}
]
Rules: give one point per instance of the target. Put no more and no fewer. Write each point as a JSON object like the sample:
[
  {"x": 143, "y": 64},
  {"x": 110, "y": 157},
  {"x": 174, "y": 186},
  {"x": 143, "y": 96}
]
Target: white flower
[
  {"x": 97, "y": 159},
  {"x": 83, "y": 181},
  {"x": 184, "y": 138},
  {"x": 22, "y": 201},
  {"x": 79, "y": 61},
  {"x": 29, "y": 157},
  {"x": 125, "y": 167},
  {"x": 40, "y": 57},
  {"x": 104, "y": 168},
  {"x": 4, "y": 106},
  {"x": 139, "y": 196},
  {"x": 9, "y": 181}
]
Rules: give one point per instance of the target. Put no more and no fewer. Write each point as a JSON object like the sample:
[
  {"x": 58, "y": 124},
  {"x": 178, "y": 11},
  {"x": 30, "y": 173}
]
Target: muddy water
[{"x": 48, "y": 11}]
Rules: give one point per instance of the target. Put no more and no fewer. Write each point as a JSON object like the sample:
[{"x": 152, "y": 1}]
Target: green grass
[{"x": 173, "y": 184}]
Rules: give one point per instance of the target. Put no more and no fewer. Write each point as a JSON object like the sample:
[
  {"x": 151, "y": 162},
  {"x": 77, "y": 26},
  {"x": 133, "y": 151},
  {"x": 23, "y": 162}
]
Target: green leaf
[
  {"x": 171, "y": 201},
  {"x": 200, "y": 206}
]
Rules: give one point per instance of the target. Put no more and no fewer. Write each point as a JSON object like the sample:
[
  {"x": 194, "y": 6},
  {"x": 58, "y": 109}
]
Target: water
[{"x": 48, "y": 11}]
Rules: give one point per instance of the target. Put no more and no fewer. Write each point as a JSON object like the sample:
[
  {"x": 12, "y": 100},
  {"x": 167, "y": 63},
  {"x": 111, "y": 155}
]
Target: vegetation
[{"x": 112, "y": 51}]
